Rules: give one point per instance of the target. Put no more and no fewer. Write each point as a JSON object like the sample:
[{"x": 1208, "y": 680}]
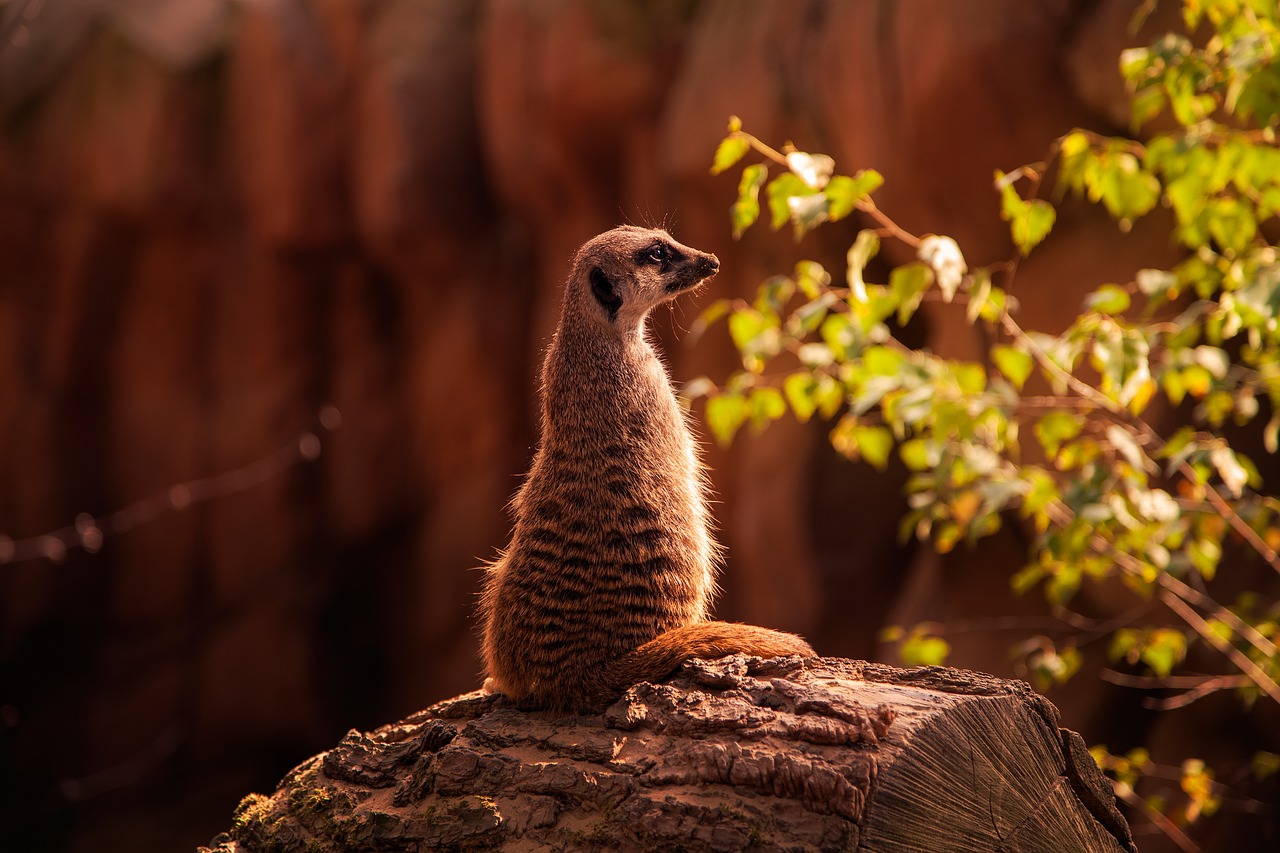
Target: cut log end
[{"x": 817, "y": 754}]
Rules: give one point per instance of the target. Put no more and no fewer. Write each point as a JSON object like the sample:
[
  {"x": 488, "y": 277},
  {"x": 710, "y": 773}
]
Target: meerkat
[{"x": 611, "y": 566}]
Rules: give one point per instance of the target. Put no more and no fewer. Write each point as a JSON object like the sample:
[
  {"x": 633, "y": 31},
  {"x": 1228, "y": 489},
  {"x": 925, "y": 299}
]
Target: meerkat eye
[{"x": 657, "y": 253}]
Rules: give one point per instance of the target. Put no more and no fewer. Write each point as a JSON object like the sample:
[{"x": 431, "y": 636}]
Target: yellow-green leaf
[
  {"x": 1013, "y": 363},
  {"x": 798, "y": 388},
  {"x": 746, "y": 209},
  {"x": 1108, "y": 299},
  {"x": 1055, "y": 428},
  {"x": 924, "y": 650},
  {"x": 730, "y": 150},
  {"x": 864, "y": 248},
  {"x": 873, "y": 443},
  {"x": 908, "y": 283},
  {"x": 725, "y": 414}
]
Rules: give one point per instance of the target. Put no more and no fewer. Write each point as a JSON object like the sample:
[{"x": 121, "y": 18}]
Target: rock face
[{"x": 788, "y": 754}]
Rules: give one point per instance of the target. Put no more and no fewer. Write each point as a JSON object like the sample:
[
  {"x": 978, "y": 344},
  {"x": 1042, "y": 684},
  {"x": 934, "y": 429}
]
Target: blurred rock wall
[{"x": 219, "y": 218}]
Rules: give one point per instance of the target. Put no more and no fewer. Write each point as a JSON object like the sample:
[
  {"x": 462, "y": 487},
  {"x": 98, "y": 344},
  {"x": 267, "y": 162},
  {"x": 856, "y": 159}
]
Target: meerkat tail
[{"x": 659, "y": 657}]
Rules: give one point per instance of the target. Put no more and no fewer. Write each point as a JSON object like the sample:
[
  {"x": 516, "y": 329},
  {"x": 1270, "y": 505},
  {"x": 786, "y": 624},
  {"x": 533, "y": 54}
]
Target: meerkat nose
[{"x": 711, "y": 263}]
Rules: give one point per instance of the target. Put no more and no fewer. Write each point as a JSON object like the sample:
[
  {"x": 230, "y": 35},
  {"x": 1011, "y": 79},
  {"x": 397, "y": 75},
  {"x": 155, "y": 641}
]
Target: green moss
[{"x": 252, "y": 809}]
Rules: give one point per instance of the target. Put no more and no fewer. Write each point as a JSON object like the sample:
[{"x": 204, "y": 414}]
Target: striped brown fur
[{"x": 610, "y": 569}]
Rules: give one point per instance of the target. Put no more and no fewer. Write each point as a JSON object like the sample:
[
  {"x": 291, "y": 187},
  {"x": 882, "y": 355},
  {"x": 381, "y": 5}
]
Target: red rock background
[{"x": 217, "y": 219}]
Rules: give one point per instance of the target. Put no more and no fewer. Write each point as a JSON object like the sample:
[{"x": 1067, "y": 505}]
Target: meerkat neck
[{"x": 603, "y": 371}]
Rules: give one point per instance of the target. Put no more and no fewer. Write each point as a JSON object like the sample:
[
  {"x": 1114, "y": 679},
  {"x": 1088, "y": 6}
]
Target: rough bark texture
[{"x": 823, "y": 754}]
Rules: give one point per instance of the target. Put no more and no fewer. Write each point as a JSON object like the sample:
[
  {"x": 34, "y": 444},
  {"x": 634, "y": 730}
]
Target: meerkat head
[{"x": 619, "y": 276}]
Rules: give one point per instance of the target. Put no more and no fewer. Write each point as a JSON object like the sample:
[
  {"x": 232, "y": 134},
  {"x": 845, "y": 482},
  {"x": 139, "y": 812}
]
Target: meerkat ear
[{"x": 602, "y": 290}]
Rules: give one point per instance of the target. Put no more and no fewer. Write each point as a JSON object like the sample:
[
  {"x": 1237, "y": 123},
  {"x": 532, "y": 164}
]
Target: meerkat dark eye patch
[
  {"x": 602, "y": 289},
  {"x": 659, "y": 255}
]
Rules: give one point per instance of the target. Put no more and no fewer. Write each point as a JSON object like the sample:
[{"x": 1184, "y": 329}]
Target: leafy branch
[{"x": 1054, "y": 431}]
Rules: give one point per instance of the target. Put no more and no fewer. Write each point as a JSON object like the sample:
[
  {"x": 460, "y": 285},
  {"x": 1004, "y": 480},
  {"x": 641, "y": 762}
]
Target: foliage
[{"x": 1076, "y": 460}]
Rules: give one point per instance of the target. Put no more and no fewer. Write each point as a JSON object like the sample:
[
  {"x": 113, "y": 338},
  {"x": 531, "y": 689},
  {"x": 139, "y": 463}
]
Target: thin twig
[
  {"x": 1197, "y": 623},
  {"x": 1222, "y": 614},
  {"x": 1177, "y": 836},
  {"x": 887, "y": 225}
]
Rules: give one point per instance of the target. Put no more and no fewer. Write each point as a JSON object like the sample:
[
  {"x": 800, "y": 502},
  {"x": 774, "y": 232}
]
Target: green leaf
[
  {"x": 1013, "y": 363},
  {"x": 812, "y": 279},
  {"x": 798, "y": 389},
  {"x": 731, "y": 149},
  {"x": 780, "y": 192},
  {"x": 1205, "y": 555},
  {"x": 919, "y": 454},
  {"x": 979, "y": 295},
  {"x": 1126, "y": 190},
  {"x": 1033, "y": 224},
  {"x": 807, "y": 212},
  {"x": 829, "y": 395},
  {"x": 1063, "y": 583},
  {"x": 1054, "y": 429},
  {"x": 1265, "y": 764},
  {"x": 882, "y": 361},
  {"x": 840, "y": 334},
  {"x": 745, "y": 326},
  {"x": 774, "y": 293},
  {"x": 710, "y": 316},
  {"x": 1108, "y": 299},
  {"x": 1164, "y": 649},
  {"x": 873, "y": 444},
  {"x": 908, "y": 283},
  {"x": 1029, "y": 221},
  {"x": 1231, "y": 224},
  {"x": 864, "y": 248},
  {"x": 726, "y": 413},
  {"x": 921, "y": 649},
  {"x": 746, "y": 209},
  {"x": 1027, "y": 577},
  {"x": 843, "y": 192},
  {"x": 756, "y": 336},
  {"x": 767, "y": 405}
]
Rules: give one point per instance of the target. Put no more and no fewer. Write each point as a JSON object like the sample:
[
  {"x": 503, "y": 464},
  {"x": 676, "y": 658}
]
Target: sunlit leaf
[
  {"x": 725, "y": 414},
  {"x": 1108, "y": 299},
  {"x": 864, "y": 248},
  {"x": 780, "y": 192},
  {"x": 798, "y": 389},
  {"x": 1055, "y": 428},
  {"x": 766, "y": 404},
  {"x": 1013, "y": 363},
  {"x": 731, "y": 149},
  {"x": 874, "y": 443},
  {"x": 908, "y": 283},
  {"x": 921, "y": 649},
  {"x": 746, "y": 209}
]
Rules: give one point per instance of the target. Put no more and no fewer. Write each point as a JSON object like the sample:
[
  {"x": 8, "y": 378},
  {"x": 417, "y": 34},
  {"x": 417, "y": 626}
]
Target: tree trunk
[{"x": 823, "y": 754}]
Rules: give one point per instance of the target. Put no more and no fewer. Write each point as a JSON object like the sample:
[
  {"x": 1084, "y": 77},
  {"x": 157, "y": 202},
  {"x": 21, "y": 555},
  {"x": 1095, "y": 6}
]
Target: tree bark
[{"x": 822, "y": 754}]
